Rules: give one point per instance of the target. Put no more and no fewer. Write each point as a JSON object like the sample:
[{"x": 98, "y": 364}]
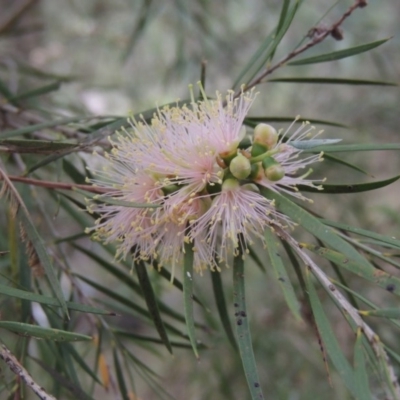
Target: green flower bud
[
  {"x": 275, "y": 172},
  {"x": 269, "y": 162},
  {"x": 252, "y": 187},
  {"x": 272, "y": 169},
  {"x": 240, "y": 167},
  {"x": 230, "y": 184},
  {"x": 266, "y": 135},
  {"x": 170, "y": 189}
]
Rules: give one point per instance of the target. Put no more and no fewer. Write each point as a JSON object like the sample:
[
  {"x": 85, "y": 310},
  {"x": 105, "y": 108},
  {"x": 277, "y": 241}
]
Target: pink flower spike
[{"x": 237, "y": 216}]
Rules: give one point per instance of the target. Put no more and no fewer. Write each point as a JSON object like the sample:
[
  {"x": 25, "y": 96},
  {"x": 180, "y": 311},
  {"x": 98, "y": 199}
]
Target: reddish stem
[
  {"x": 317, "y": 39},
  {"x": 57, "y": 185}
]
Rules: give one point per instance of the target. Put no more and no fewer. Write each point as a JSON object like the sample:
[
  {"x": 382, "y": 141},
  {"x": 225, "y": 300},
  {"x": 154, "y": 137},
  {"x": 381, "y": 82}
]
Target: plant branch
[
  {"x": 370, "y": 335},
  {"x": 56, "y": 185},
  {"x": 31, "y": 118},
  {"x": 20, "y": 371},
  {"x": 320, "y": 35},
  {"x": 19, "y": 9}
]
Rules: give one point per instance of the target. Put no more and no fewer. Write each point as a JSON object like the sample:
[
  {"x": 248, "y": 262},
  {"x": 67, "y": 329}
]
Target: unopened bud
[
  {"x": 230, "y": 184},
  {"x": 266, "y": 135},
  {"x": 232, "y": 148},
  {"x": 272, "y": 169},
  {"x": 275, "y": 173},
  {"x": 252, "y": 187},
  {"x": 337, "y": 33},
  {"x": 240, "y": 167},
  {"x": 229, "y": 154}
]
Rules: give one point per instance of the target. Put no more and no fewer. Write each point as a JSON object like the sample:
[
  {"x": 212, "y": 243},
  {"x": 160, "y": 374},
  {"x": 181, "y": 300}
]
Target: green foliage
[{"x": 91, "y": 325}]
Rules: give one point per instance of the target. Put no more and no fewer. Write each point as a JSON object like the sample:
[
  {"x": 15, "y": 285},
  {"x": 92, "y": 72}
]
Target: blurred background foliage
[{"x": 94, "y": 61}]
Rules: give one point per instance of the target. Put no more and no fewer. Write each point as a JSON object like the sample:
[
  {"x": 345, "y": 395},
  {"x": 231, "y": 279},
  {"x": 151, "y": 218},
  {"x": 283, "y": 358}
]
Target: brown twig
[
  {"x": 16, "y": 13},
  {"x": 320, "y": 35},
  {"x": 56, "y": 185},
  {"x": 21, "y": 372}
]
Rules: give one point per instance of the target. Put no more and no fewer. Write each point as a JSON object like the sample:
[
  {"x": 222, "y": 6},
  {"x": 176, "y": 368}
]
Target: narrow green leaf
[
  {"x": 114, "y": 201},
  {"x": 41, "y": 332},
  {"x": 387, "y": 371},
  {"x": 270, "y": 45},
  {"x": 221, "y": 306},
  {"x": 139, "y": 364},
  {"x": 4, "y": 90},
  {"x": 38, "y": 127},
  {"x": 309, "y": 144},
  {"x": 312, "y": 224},
  {"x": 382, "y": 312},
  {"x": 334, "y": 81},
  {"x": 337, "y": 55},
  {"x": 176, "y": 282},
  {"x": 349, "y": 188},
  {"x": 253, "y": 121},
  {"x": 130, "y": 305},
  {"x": 282, "y": 26},
  {"x": 342, "y": 280},
  {"x": 143, "y": 15},
  {"x": 354, "y": 147},
  {"x": 362, "y": 269},
  {"x": 395, "y": 355},
  {"x": 38, "y": 245},
  {"x": 28, "y": 69},
  {"x": 285, "y": 20},
  {"x": 50, "y": 301},
  {"x": 282, "y": 16},
  {"x": 361, "y": 384},
  {"x": 381, "y": 244},
  {"x": 254, "y": 64},
  {"x": 73, "y": 172},
  {"x": 333, "y": 349},
  {"x": 63, "y": 382},
  {"x": 383, "y": 238},
  {"x": 356, "y": 295},
  {"x": 68, "y": 366},
  {"x": 281, "y": 273},
  {"x": 243, "y": 329},
  {"x": 36, "y": 146},
  {"x": 296, "y": 266},
  {"x": 71, "y": 238},
  {"x": 123, "y": 391},
  {"x": 51, "y": 87},
  {"x": 151, "y": 379},
  {"x": 143, "y": 338},
  {"x": 97, "y": 342},
  {"x": 345, "y": 163},
  {"x": 77, "y": 357},
  {"x": 151, "y": 302},
  {"x": 256, "y": 259},
  {"x": 49, "y": 159},
  {"x": 188, "y": 294},
  {"x": 128, "y": 280},
  {"x": 376, "y": 253}
]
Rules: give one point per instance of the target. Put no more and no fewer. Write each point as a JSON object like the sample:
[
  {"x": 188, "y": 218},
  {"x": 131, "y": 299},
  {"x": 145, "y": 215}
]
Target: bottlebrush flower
[{"x": 199, "y": 181}]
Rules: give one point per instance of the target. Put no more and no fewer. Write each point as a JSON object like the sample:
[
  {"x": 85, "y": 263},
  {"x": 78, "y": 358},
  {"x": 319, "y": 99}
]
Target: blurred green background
[{"x": 123, "y": 56}]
